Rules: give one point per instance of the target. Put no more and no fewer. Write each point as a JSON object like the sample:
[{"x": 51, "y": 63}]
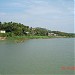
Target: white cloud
[
  {"x": 2, "y": 13},
  {"x": 15, "y": 4},
  {"x": 41, "y": 10}
]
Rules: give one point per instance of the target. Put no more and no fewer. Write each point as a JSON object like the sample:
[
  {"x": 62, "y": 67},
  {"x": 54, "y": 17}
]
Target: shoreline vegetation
[
  {"x": 18, "y": 31},
  {"x": 21, "y": 39}
]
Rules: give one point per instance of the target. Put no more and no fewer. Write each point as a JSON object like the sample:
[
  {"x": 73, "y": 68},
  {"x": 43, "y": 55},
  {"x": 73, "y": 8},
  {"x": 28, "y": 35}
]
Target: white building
[
  {"x": 27, "y": 32},
  {"x": 2, "y": 31},
  {"x": 52, "y": 34}
]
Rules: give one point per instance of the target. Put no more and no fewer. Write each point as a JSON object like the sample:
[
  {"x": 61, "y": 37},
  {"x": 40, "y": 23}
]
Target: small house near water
[{"x": 2, "y": 31}]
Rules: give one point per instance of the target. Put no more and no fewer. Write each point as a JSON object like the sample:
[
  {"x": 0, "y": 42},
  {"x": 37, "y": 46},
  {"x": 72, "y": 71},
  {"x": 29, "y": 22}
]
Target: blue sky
[{"x": 51, "y": 14}]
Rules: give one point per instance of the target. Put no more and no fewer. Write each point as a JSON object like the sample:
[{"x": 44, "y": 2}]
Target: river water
[{"x": 37, "y": 57}]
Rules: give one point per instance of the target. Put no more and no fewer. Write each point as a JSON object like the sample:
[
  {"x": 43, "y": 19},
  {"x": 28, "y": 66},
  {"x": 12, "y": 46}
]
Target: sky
[{"x": 55, "y": 15}]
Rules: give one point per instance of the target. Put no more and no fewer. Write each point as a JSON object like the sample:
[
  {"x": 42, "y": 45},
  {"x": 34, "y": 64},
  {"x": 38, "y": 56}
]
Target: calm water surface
[{"x": 37, "y": 56}]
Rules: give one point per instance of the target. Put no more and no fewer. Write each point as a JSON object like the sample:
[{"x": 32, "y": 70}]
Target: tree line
[{"x": 18, "y": 29}]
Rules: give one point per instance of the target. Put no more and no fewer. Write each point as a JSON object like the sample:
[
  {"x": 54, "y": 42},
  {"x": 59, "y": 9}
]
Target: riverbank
[
  {"x": 30, "y": 37},
  {"x": 2, "y": 38},
  {"x": 18, "y": 39},
  {"x": 22, "y": 38}
]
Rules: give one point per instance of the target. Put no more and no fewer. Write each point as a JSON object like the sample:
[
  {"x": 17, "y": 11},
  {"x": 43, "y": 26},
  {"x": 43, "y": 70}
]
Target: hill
[{"x": 17, "y": 29}]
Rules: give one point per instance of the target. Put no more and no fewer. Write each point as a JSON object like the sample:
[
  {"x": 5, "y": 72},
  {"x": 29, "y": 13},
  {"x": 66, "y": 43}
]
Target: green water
[{"x": 37, "y": 57}]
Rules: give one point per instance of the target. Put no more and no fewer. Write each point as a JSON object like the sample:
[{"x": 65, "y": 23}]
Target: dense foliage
[
  {"x": 14, "y": 29},
  {"x": 18, "y": 29},
  {"x": 64, "y": 34}
]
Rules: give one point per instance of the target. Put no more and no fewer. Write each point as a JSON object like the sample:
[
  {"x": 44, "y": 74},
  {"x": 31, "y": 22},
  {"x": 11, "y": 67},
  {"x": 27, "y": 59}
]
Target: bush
[{"x": 2, "y": 35}]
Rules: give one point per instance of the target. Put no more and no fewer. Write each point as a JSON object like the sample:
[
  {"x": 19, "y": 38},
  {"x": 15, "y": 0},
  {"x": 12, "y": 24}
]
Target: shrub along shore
[{"x": 30, "y": 37}]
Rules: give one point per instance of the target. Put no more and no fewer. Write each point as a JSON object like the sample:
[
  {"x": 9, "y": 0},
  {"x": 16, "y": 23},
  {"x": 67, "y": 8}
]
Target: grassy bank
[
  {"x": 34, "y": 37},
  {"x": 29, "y": 37},
  {"x": 22, "y": 38}
]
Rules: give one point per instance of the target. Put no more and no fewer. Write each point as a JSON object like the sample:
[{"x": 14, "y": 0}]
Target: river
[{"x": 37, "y": 57}]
